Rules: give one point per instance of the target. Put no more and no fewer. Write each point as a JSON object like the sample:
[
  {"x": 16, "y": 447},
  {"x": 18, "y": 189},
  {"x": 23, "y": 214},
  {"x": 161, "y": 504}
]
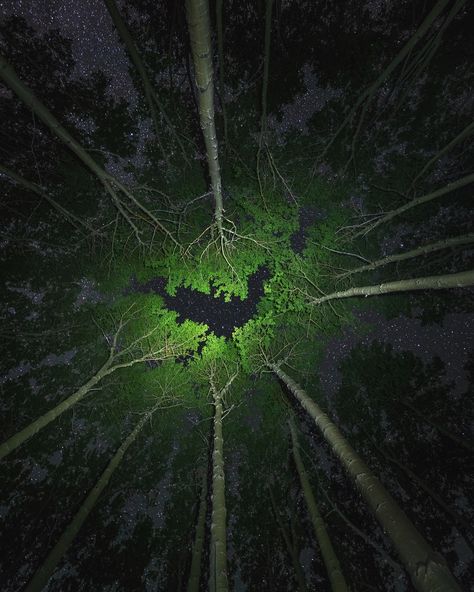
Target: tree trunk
[
  {"x": 466, "y": 132},
  {"x": 333, "y": 567},
  {"x": 266, "y": 67},
  {"x": 108, "y": 181},
  {"x": 427, "y": 569},
  {"x": 199, "y": 25},
  {"x": 220, "y": 48},
  {"x": 290, "y": 546},
  {"x": 462, "y": 279},
  {"x": 34, "y": 427},
  {"x": 150, "y": 94},
  {"x": 197, "y": 13},
  {"x": 417, "y": 202},
  {"x": 195, "y": 572},
  {"x": 218, "y": 552},
  {"x": 41, "y": 577},
  {"x": 440, "y": 428},
  {"x": 404, "y": 52},
  {"x": 33, "y": 187},
  {"x": 447, "y": 243}
]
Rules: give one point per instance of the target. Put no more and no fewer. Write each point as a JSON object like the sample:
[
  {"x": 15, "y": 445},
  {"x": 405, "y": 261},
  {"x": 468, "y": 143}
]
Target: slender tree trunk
[
  {"x": 220, "y": 48},
  {"x": 466, "y": 132},
  {"x": 417, "y": 202},
  {"x": 150, "y": 94},
  {"x": 195, "y": 572},
  {"x": 439, "y": 427},
  {"x": 333, "y": 567},
  {"x": 218, "y": 564},
  {"x": 108, "y": 181},
  {"x": 290, "y": 545},
  {"x": 199, "y": 25},
  {"x": 427, "y": 569},
  {"x": 462, "y": 279},
  {"x": 34, "y": 427},
  {"x": 41, "y": 577},
  {"x": 368, "y": 94},
  {"x": 35, "y": 188},
  {"x": 447, "y": 243},
  {"x": 266, "y": 67}
]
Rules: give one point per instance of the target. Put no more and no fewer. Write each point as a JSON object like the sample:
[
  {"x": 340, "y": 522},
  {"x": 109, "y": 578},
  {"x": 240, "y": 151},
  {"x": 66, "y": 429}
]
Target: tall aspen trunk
[
  {"x": 195, "y": 571},
  {"x": 199, "y": 25},
  {"x": 41, "y": 577},
  {"x": 427, "y": 569},
  {"x": 462, "y": 279},
  {"x": 218, "y": 564},
  {"x": 331, "y": 562},
  {"x": 266, "y": 67},
  {"x": 446, "y": 243}
]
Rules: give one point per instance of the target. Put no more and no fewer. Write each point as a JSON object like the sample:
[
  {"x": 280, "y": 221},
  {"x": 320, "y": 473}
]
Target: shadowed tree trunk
[
  {"x": 290, "y": 544},
  {"x": 150, "y": 94},
  {"x": 195, "y": 571},
  {"x": 35, "y": 188},
  {"x": 199, "y": 25},
  {"x": 418, "y": 201},
  {"x": 333, "y": 567},
  {"x": 41, "y": 577},
  {"x": 110, "y": 183},
  {"x": 462, "y": 279},
  {"x": 147, "y": 352},
  {"x": 369, "y": 93},
  {"x": 446, "y": 243},
  {"x": 466, "y": 132},
  {"x": 427, "y": 569}
]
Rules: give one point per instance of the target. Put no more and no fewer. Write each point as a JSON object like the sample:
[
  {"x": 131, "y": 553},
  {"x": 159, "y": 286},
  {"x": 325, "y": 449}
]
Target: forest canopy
[{"x": 237, "y": 301}]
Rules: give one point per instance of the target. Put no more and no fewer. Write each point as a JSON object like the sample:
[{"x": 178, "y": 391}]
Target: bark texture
[
  {"x": 462, "y": 279},
  {"x": 199, "y": 25},
  {"x": 331, "y": 562},
  {"x": 427, "y": 569},
  {"x": 41, "y": 577}
]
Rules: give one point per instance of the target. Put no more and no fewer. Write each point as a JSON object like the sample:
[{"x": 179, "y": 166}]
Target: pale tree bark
[
  {"x": 218, "y": 581},
  {"x": 462, "y": 279},
  {"x": 195, "y": 571},
  {"x": 447, "y": 243},
  {"x": 331, "y": 562},
  {"x": 369, "y": 93},
  {"x": 138, "y": 352},
  {"x": 290, "y": 544},
  {"x": 35, "y": 188},
  {"x": 150, "y": 95},
  {"x": 220, "y": 49},
  {"x": 43, "y": 574},
  {"x": 427, "y": 569},
  {"x": 418, "y": 201},
  {"x": 111, "y": 185},
  {"x": 199, "y": 25}
]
